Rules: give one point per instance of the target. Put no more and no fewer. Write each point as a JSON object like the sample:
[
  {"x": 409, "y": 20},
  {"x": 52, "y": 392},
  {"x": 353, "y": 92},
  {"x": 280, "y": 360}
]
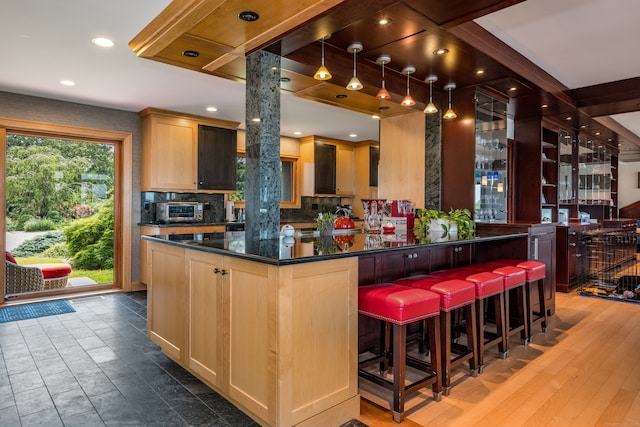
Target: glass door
[{"x": 491, "y": 154}]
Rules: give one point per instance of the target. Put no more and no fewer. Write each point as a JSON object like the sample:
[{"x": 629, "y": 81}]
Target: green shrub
[
  {"x": 59, "y": 250},
  {"x": 39, "y": 224},
  {"x": 38, "y": 244},
  {"x": 90, "y": 240}
]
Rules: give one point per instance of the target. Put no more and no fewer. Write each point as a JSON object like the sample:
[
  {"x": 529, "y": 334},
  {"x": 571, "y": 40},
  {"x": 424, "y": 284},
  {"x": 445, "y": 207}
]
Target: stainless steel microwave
[{"x": 169, "y": 212}]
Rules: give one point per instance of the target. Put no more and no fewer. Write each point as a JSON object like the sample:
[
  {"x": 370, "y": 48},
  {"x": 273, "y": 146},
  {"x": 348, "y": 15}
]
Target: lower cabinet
[
  {"x": 263, "y": 336},
  {"x": 167, "y": 299}
]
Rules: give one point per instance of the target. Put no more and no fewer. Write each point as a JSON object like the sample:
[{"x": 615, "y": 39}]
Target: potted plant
[
  {"x": 433, "y": 225},
  {"x": 324, "y": 223}
]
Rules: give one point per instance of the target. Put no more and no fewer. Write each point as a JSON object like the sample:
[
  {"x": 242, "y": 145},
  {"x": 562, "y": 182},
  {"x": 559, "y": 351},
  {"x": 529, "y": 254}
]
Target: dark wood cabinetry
[
  {"x": 572, "y": 255},
  {"x": 217, "y": 151},
  {"x": 374, "y": 160},
  {"x": 325, "y": 168}
]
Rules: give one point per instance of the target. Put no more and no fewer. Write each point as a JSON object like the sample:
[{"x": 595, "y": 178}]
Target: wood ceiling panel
[
  {"x": 224, "y": 26},
  {"x": 454, "y": 12},
  {"x": 207, "y": 50},
  {"x": 355, "y": 100}
]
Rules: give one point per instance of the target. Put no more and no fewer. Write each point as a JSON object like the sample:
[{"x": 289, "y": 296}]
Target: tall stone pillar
[
  {"x": 262, "y": 175},
  {"x": 433, "y": 162}
]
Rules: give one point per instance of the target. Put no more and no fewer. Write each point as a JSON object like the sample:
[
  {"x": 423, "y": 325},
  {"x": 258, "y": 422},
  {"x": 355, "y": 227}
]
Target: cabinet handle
[
  {"x": 223, "y": 272},
  {"x": 216, "y": 270}
]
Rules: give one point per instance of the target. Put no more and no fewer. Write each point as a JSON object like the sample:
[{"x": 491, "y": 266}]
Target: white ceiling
[{"x": 580, "y": 42}]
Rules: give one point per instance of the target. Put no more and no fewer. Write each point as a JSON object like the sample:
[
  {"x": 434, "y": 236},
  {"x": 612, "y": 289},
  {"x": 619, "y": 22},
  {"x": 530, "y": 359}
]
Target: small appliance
[{"x": 172, "y": 212}]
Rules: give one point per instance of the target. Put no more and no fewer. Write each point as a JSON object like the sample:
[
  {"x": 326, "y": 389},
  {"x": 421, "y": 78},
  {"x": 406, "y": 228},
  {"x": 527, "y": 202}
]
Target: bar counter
[
  {"x": 311, "y": 246},
  {"x": 273, "y": 325}
]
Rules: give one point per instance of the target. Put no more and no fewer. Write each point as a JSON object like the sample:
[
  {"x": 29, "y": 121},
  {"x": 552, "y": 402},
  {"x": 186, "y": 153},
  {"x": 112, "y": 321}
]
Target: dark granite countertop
[{"x": 307, "y": 246}]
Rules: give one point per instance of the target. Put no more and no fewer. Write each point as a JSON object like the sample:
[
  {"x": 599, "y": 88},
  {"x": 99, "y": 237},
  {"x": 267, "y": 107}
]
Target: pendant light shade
[
  {"x": 408, "y": 100},
  {"x": 450, "y": 114},
  {"x": 431, "y": 107},
  {"x": 383, "y": 93},
  {"x": 322, "y": 73},
  {"x": 354, "y": 83}
]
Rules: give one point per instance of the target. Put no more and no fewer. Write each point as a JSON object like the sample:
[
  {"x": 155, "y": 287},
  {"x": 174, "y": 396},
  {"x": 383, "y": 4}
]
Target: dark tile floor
[{"x": 96, "y": 367}]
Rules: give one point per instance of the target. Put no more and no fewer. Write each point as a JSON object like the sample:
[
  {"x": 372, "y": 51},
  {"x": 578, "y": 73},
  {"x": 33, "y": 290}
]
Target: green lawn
[{"x": 100, "y": 276}]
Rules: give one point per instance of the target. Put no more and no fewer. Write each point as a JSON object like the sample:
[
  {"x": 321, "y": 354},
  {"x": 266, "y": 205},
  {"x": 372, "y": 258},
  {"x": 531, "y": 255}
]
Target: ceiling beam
[{"x": 622, "y": 96}]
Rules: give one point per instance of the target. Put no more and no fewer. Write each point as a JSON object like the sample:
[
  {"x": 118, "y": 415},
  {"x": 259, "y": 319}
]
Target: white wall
[{"x": 628, "y": 191}]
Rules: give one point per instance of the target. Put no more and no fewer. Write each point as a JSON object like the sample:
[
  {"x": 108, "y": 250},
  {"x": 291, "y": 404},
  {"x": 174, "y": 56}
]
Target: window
[{"x": 287, "y": 180}]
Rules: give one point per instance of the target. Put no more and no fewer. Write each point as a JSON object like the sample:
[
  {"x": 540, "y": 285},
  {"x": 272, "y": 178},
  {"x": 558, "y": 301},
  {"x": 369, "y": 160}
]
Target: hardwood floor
[{"x": 584, "y": 372}]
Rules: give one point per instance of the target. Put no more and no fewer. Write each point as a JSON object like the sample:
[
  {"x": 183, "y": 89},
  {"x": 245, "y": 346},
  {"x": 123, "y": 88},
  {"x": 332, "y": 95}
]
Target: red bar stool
[
  {"x": 400, "y": 306},
  {"x": 454, "y": 294},
  {"x": 514, "y": 282},
  {"x": 488, "y": 285},
  {"x": 535, "y": 275}
]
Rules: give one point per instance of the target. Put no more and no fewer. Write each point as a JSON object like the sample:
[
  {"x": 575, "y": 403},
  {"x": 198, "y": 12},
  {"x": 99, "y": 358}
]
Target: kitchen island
[{"x": 273, "y": 325}]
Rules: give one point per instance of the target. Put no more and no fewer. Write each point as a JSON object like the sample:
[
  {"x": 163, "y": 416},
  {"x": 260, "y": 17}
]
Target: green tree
[{"x": 49, "y": 177}]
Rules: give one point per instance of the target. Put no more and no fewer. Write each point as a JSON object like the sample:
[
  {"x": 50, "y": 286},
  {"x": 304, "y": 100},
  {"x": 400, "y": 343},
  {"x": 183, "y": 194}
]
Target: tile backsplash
[{"x": 214, "y": 211}]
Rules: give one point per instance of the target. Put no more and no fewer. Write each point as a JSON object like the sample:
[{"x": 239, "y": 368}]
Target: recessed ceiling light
[
  {"x": 297, "y": 132},
  {"x": 67, "y": 83},
  {"x": 478, "y": 72},
  {"x": 353, "y": 135},
  {"x": 385, "y": 21},
  {"x": 285, "y": 79},
  {"x": 102, "y": 42},
  {"x": 375, "y": 117},
  {"x": 212, "y": 109},
  {"x": 598, "y": 133},
  {"x": 384, "y": 107},
  {"x": 583, "y": 126},
  {"x": 248, "y": 16},
  {"x": 545, "y": 106},
  {"x": 190, "y": 53},
  {"x": 440, "y": 51},
  {"x": 341, "y": 96},
  {"x": 512, "y": 88},
  {"x": 256, "y": 120},
  {"x": 568, "y": 118}
]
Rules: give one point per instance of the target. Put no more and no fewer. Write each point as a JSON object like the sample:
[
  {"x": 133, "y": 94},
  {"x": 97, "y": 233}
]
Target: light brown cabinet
[
  {"x": 154, "y": 230},
  {"x": 255, "y": 332},
  {"x": 170, "y": 150},
  {"x": 167, "y": 304}
]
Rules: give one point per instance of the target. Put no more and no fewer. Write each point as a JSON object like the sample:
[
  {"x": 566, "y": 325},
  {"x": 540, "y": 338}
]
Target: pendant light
[
  {"x": 431, "y": 107},
  {"x": 408, "y": 101},
  {"x": 383, "y": 93},
  {"x": 450, "y": 114},
  {"x": 322, "y": 73},
  {"x": 354, "y": 83}
]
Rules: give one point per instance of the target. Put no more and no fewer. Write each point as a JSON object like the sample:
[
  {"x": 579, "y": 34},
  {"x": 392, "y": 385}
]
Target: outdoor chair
[{"x": 36, "y": 277}]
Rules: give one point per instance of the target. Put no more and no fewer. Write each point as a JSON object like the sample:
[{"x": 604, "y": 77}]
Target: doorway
[{"x": 96, "y": 196}]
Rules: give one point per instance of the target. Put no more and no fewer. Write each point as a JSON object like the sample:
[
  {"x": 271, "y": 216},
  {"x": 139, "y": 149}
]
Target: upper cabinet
[
  {"x": 181, "y": 152},
  {"x": 491, "y": 173},
  {"x": 328, "y": 167}
]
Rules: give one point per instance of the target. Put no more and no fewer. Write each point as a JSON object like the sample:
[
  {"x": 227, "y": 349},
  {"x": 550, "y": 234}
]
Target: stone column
[
  {"x": 433, "y": 162},
  {"x": 262, "y": 175}
]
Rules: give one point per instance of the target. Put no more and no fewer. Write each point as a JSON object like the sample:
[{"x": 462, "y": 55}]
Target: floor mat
[{"x": 31, "y": 311}]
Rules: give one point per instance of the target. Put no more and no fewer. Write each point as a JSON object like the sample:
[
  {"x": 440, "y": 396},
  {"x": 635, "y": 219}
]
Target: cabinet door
[
  {"x": 543, "y": 249},
  {"x": 249, "y": 294},
  {"x": 345, "y": 171},
  {"x": 325, "y": 168},
  {"x": 217, "y": 151},
  {"x": 167, "y": 293},
  {"x": 171, "y": 155},
  {"x": 374, "y": 160},
  {"x": 205, "y": 321}
]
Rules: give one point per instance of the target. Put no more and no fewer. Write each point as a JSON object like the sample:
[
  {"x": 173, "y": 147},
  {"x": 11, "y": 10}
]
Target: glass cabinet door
[
  {"x": 566, "y": 186},
  {"x": 491, "y": 156}
]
